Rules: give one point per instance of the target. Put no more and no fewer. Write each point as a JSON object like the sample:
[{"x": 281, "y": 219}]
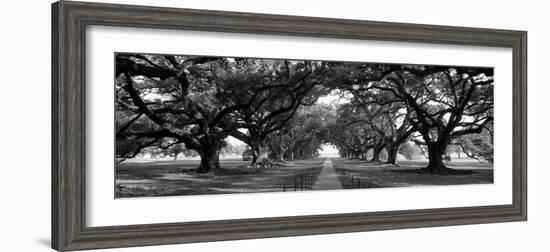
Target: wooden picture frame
[{"x": 69, "y": 20}]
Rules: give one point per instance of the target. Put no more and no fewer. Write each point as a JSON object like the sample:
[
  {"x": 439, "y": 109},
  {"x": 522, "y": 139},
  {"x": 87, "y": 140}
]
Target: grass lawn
[
  {"x": 364, "y": 174},
  {"x": 166, "y": 177}
]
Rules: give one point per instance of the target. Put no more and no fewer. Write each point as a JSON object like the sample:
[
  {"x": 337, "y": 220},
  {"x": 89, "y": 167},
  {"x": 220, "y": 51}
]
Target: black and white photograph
[
  {"x": 275, "y": 126},
  {"x": 196, "y": 125}
]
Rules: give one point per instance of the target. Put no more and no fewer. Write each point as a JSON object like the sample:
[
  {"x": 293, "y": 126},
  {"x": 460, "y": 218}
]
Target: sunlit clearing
[
  {"x": 335, "y": 97},
  {"x": 328, "y": 150}
]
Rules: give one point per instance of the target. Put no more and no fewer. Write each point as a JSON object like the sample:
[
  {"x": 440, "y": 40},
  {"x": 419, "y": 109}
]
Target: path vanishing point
[{"x": 328, "y": 179}]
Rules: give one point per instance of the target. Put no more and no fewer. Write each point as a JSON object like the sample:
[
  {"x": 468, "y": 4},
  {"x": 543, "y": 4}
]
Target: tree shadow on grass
[{"x": 424, "y": 171}]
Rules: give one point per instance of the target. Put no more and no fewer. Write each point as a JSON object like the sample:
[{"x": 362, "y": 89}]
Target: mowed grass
[
  {"x": 365, "y": 174},
  {"x": 166, "y": 177}
]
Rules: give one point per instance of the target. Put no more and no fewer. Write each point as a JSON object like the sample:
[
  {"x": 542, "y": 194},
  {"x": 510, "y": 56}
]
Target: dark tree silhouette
[
  {"x": 200, "y": 101},
  {"x": 286, "y": 85},
  {"x": 176, "y": 104},
  {"x": 352, "y": 133},
  {"x": 443, "y": 104},
  {"x": 172, "y": 99},
  {"x": 389, "y": 119},
  {"x": 440, "y": 102},
  {"x": 304, "y": 134}
]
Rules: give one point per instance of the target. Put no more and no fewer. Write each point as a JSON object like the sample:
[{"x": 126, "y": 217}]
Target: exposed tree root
[
  {"x": 243, "y": 170},
  {"x": 265, "y": 163},
  {"x": 375, "y": 162},
  {"x": 389, "y": 165},
  {"x": 444, "y": 171},
  {"x": 439, "y": 171}
]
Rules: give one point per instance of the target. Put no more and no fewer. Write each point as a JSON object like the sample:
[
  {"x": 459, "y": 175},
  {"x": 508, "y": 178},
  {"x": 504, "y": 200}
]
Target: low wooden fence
[{"x": 350, "y": 180}]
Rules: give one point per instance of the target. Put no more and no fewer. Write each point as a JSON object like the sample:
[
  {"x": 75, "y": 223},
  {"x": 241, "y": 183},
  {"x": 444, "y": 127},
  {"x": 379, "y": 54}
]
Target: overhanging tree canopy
[{"x": 164, "y": 101}]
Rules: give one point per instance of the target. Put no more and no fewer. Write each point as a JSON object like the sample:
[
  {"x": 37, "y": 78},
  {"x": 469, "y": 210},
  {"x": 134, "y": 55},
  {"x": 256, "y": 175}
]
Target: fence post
[{"x": 307, "y": 180}]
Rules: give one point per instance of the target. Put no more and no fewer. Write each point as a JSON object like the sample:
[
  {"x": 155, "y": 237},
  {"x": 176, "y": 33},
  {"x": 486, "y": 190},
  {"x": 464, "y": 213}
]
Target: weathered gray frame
[{"x": 69, "y": 20}]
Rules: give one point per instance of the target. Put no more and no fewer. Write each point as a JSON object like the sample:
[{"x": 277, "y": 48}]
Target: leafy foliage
[
  {"x": 410, "y": 151},
  {"x": 171, "y": 105}
]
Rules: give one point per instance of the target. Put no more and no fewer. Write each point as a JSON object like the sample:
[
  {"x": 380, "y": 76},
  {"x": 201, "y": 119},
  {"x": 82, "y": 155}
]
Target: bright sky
[
  {"x": 333, "y": 97},
  {"x": 235, "y": 141},
  {"x": 328, "y": 150}
]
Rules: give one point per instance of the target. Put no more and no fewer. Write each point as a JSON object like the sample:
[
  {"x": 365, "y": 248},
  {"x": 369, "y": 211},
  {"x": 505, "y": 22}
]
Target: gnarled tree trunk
[
  {"x": 259, "y": 152},
  {"x": 280, "y": 150},
  {"x": 436, "y": 150},
  {"x": 376, "y": 152},
  {"x": 364, "y": 155},
  {"x": 259, "y": 147},
  {"x": 210, "y": 161},
  {"x": 392, "y": 153},
  {"x": 277, "y": 152},
  {"x": 209, "y": 152},
  {"x": 356, "y": 154},
  {"x": 435, "y": 156}
]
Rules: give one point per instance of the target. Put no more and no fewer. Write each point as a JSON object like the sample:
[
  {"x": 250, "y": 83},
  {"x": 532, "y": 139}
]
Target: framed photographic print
[{"x": 178, "y": 125}]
